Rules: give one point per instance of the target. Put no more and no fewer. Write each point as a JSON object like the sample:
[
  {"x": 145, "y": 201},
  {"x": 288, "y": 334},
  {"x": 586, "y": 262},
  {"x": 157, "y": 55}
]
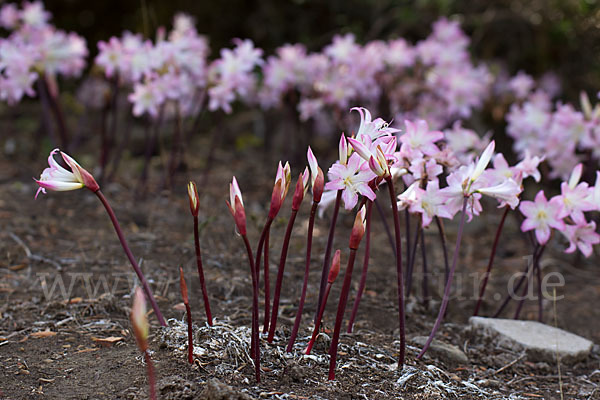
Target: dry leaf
[
  {"x": 179, "y": 307},
  {"x": 74, "y": 300},
  {"x": 109, "y": 341},
  {"x": 43, "y": 334},
  {"x": 17, "y": 267},
  {"x": 86, "y": 350}
]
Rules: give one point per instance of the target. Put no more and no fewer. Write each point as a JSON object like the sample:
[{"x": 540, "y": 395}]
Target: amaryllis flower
[
  {"x": 465, "y": 182},
  {"x": 419, "y": 137},
  {"x": 431, "y": 203},
  {"x": 59, "y": 179},
  {"x": 542, "y": 215},
  {"x": 529, "y": 166},
  {"x": 575, "y": 195},
  {"x": 507, "y": 192},
  {"x": 582, "y": 235},
  {"x": 352, "y": 180},
  {"x": 372, "y": 129}
]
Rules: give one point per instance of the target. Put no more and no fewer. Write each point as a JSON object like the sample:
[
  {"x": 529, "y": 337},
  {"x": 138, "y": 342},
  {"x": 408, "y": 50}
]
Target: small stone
[
  {"x": 541, "y": 342},
  {"x": 444, "y": 351}
]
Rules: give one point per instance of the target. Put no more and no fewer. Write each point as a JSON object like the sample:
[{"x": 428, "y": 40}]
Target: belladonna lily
[
  {"x": 542, "y": 215},
  {"x": 57, "y": 178},
  {"x": 581, "y": 235},
  {"x": 575, "y": 195},
  {"x": 352, "y": 180}
]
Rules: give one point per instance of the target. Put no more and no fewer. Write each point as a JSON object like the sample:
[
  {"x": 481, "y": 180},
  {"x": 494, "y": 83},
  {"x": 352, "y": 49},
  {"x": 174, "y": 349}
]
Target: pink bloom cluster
[
  {"x": 564, "y": 135},
  {"x": 434, "y": 79},
  {"x": 171, "y": 70},
  {"x": 566, "y": 213},
  {"x": 34, "y": 47},
  {"x": 420, "y": 156},
  {"x": 232, "y": 76}
]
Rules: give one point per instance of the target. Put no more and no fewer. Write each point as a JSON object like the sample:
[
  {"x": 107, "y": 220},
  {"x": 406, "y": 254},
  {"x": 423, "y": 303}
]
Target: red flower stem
[
  {"x": 176, "y": 146},
  {"x": 134, "y": 263},
  {"x": 539, "y": 290},
  {"x": 411, "y": 263},
  {"x": 523, "y": 293},
  {"x": 319, "y": 318},
  {"x": 340, "y": 314},
  {"x": 264, "y": 242},
  {"x": 254, "y": 341},
  {"x": 425, "y": 282},
  {"x": 509, "y": 297},
  {"x": 188, "y": 312},
  {"x": 282, "y": 259},
  {"x": 150, "y": 372},
  {"x": 536, "y": 250},
  {"x": 311, "y": 224},
  {"x": 440, "y": 226},
  {"x": 446, "y": 297},
  {"x": 363, "y": 276},
  {"x": 408, "y": 241},
  {"x": 201, "y": 272},
  {"x": 491, "y": 262},
  {"x": 534, "y": 266},
  {"x": 107, "y": 138},
  {"x": 267, "y": 285},
  {"x": 386, "y": 226},
  {"x": 399, "y": 272},
  {"x": 58, "y": 115},
  {"x": 327, "y": 257}
]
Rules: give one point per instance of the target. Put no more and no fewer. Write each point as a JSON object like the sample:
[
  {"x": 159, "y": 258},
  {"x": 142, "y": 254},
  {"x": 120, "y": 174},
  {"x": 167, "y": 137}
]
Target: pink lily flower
[
  {"x": 419, "y": 137},
  {"x": 575, "y": 195},
  {"x": 372, "y": 129},
  {"x": 582, "y": 235},
  {"x": 352, "y": 180},
  {"x": 59, "y": 179},
  {"x": 529, "y": 166},
  {"x": 507, "y": 192},
  {"x": 543, "y": 215},
  {"x": 431, "y": 203}
]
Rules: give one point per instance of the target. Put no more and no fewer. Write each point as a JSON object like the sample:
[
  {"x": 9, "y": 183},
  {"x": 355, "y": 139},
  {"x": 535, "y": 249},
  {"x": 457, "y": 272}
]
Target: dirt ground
[{"x": 65, "y": 286}]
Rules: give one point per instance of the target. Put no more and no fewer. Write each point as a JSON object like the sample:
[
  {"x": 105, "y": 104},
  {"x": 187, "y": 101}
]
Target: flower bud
[
  {"x": 183, "y": 287},
  {"x": 193, "y": 197},
  {"x": 318, "y": 186},
  {"x": 236, "y": 206},
  {"x": 298, "y": 193},
  {"x": 139, "y": 320},
  {"x": 343, "y": 150},
  {"x": 358, "y": 230},
  {"x": 335, "y": 267}
]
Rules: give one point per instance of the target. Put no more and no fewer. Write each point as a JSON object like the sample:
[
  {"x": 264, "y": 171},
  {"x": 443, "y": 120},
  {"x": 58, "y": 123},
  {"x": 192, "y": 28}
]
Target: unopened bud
[{"x": 335, "y": 267}]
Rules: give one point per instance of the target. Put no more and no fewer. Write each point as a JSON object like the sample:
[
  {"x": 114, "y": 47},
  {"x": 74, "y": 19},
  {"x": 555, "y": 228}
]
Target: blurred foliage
[{"x": 562, "y": 36}]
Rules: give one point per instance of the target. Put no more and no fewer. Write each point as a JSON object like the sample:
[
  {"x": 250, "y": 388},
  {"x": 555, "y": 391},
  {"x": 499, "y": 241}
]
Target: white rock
[{"x": 541, "y": 342}]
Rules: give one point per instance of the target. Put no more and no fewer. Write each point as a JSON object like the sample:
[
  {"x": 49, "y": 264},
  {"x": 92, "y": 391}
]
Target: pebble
[{"x": 540, "y": 342}]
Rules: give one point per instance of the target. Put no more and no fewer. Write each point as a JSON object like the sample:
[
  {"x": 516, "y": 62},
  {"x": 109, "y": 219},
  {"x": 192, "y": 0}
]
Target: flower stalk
[
  {"x": 331, "y": 277},
  {"x": 194, "y": 209},
  {"x": 301, "y": 186},
  {"x": 358, "y": 230},
  {"x": 188, "y": 312}
]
